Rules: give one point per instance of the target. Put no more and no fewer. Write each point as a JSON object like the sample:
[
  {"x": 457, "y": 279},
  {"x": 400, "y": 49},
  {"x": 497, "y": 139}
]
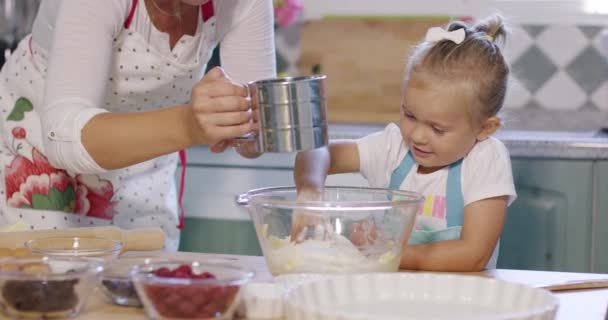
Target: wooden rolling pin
[
  {"x": 576, "y": 285},
  {"x": 143, "y": 239}
]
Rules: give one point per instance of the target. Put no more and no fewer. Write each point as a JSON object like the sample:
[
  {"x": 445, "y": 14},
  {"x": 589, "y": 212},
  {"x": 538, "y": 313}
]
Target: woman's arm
[
  {"x": 246, "y": 32},
  {"x": 117, "y": 140},
  {"x": 483, "y": 221},
  {"x": 247, "y": 51},
  {"x": 81, "y": 137}
]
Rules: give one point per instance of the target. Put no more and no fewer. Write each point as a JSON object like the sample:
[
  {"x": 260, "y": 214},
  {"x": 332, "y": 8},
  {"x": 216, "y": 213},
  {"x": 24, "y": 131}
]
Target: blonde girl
[{"x": 454, "y": 86}]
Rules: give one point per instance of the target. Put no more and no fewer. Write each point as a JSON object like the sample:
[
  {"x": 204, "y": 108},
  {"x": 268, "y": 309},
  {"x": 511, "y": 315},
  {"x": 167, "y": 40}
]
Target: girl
[{"x": 454, "y": 86}]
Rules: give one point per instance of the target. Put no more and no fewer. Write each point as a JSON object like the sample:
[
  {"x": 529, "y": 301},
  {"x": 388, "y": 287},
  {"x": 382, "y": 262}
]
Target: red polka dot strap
[
  {"x": 182, "y": 184},
  {"x": 131, "y": 14},
  {"x": 207, "y": 10}
]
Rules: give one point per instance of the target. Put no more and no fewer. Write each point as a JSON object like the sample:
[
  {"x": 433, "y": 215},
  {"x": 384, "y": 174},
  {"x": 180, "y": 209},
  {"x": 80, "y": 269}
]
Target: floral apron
[{"x": 35, "y": 195}]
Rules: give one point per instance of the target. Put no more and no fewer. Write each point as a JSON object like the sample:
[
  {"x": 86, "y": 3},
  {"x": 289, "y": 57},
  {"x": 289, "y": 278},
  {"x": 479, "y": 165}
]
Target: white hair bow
[{"x": 437, "y": 34}]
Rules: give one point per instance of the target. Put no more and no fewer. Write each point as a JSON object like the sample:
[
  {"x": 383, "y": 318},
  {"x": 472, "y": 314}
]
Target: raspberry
[
  {"x": 204, "y": 275},
  {"x": 183, "y": 269},
  {"x": 163, "y": 273}
]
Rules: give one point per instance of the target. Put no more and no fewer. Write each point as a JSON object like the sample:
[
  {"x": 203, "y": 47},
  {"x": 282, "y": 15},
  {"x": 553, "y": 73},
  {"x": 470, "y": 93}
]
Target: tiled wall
[
  {"x": 560, "y": 77},
  {"x": 559, "y": 73}
]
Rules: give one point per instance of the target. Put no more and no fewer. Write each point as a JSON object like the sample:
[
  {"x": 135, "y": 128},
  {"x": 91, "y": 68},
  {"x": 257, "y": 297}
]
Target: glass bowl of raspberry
[{"x": 189, "y": 289}]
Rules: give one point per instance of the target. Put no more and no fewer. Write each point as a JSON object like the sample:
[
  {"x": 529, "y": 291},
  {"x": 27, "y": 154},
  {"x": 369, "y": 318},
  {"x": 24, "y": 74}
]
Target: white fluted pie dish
[{"x": 388, "y": 296}]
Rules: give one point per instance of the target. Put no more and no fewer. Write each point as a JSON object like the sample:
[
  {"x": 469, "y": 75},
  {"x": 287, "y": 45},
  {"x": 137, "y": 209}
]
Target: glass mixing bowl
[
  {"x": 85, "y": 247},
  {"x": 116, "y": 283},
  {"x": 189, "y": 289},
  {"x": 46, "y": 287},
  {"x": 348, "y": 230}
]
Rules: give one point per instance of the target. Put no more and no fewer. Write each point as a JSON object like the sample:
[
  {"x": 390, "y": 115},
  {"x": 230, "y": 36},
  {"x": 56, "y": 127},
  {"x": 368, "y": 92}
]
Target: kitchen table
[{"x": 579, "y": 304}]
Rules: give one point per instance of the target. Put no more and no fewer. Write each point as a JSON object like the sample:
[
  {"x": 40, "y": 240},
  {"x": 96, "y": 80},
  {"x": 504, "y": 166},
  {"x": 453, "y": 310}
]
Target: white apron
[{"x": 34, "y": 195}]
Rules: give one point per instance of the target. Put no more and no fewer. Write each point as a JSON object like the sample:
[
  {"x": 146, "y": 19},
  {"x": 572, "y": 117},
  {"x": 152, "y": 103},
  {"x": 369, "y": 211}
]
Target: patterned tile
[
  {"x": 589, "y": 69},
  {"x": 600, "y": 97},
  {"x": 517, "y": 94},
  {"x": 601, "y": 42},
  {"x": 588, "y": 106},
  {"x": 517, "y": 43},
  {"x": 533, "y": 68},
  {"x": 552, "y": 40},
  {"x": 533, "y": 105},
  {"x": 561, "y": 93},
  {"x": 590, "y": 31},
  {"x": 534, "y": 30},
  {"x": 555, "y": 120}
]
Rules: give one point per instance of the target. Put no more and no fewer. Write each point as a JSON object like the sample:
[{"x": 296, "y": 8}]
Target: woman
[{"x": 99, "y": 99}]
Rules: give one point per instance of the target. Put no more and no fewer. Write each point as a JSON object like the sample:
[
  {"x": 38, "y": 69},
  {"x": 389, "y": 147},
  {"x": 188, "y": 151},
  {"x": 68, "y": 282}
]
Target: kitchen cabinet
[
  {"x": 601, "y": 226},
  {"x": 549, "y": 226}
]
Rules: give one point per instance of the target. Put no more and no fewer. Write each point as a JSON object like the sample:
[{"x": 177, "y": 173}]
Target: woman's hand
[
  {"x": 219, "y": 111},
  {"x": 248, "y": 148}
]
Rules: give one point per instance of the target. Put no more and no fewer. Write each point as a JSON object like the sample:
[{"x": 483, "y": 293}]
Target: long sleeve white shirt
[{"x": 75, "y": 37}]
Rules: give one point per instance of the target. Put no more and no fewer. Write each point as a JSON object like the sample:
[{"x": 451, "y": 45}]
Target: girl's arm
[
  {"x": 313, "y": 166},
  {"x": 482, "y": 224},
  {"x": 310, "y": 171}
]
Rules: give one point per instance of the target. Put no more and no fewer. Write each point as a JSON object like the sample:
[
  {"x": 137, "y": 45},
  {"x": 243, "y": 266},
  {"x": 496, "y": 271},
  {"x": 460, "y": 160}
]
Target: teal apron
[
  {"x": 454, "y": 206},
  {"x": 454, "y": 202}
]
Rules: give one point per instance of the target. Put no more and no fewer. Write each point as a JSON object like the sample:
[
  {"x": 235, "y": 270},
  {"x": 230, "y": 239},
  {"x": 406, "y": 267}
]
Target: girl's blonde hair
[{"x": 477, "y": 63}]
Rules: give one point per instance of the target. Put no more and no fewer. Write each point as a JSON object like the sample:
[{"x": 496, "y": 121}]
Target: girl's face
[{"x": 436, "y": 124}]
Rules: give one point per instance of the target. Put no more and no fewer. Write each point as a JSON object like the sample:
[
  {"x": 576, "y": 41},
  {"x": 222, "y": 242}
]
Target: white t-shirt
[{"x": 486, "y": 173}]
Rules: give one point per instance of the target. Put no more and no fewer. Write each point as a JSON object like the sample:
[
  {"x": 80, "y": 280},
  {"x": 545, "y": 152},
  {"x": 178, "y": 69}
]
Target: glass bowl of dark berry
[
  {"x": 116, "y": 283},
  {"x": 46, "y": 287},
  {"x": 189, "y": 289}
]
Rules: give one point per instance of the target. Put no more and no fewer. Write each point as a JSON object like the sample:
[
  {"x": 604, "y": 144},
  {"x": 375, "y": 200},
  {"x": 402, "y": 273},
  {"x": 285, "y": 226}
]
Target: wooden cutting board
[{"x": 364, "y": 60}]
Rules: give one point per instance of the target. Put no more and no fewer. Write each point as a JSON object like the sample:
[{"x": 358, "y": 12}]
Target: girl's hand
[
  {"x": 364, "y": 233},
  {"x": 219, "y": 111},
  {"x": 308, "y": 224}
]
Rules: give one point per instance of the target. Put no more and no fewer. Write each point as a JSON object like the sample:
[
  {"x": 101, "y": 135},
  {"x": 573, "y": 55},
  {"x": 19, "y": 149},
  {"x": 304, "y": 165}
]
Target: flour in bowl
[{"x": 335, "y": 255}]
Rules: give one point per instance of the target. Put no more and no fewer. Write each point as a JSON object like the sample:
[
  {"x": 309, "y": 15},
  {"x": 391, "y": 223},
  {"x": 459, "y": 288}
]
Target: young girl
[{"x": 454, "y": 86}]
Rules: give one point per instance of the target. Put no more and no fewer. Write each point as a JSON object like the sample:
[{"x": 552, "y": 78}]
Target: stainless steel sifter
[{"x": 291, "y": 112}]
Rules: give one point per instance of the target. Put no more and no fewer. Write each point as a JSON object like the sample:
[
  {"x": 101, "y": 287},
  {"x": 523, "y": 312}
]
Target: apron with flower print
[{"x": 35, "y": 195}]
